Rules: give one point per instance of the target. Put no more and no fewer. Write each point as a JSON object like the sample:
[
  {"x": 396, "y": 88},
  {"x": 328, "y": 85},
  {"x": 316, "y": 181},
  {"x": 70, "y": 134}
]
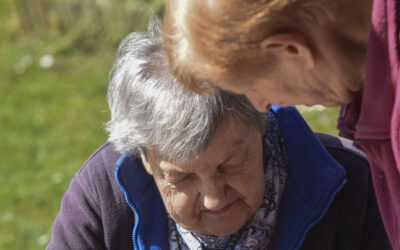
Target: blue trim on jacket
[{"x": 314, "y": 179}]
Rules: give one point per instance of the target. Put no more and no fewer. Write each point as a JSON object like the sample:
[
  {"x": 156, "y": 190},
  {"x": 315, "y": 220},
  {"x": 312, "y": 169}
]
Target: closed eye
[
  {"x": 177, "y": 178},
  {"x": 232, "y": 169},
  {"x": 235, "y": 166}
]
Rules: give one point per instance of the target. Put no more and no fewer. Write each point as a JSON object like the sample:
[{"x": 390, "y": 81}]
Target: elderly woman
[{"x": 183, "y": 171}]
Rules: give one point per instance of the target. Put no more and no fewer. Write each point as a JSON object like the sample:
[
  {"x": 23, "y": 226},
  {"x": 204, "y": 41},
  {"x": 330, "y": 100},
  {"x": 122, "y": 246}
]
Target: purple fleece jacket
[
  {"x": 94, "y": 213},
  {"x": 373, "y": 119}
]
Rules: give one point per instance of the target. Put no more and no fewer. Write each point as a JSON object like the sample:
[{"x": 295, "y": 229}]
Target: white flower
[{"x": 46, "y": 61}]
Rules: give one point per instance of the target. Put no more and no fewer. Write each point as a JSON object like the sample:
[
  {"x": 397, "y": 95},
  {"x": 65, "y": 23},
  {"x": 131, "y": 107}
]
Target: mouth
[{"x": 221, "y": 210}]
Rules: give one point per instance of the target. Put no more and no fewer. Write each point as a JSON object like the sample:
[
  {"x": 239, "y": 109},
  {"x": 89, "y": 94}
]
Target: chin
[
  {"x": 230, "y": 222},
  {"x": 341, "y": 98},
  {"x": 214, "y": 229},
  {"x": 330, "y": 104},
  {"x": 327, "y": 101},
  {"x": 336, "y": 102},
  {"x": 224, "y": 229}
]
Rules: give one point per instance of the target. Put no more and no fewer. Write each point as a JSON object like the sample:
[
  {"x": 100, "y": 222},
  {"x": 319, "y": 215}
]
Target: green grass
[
  {"x": 50, "y": 122},
  {"x": 323, "y": 121}
]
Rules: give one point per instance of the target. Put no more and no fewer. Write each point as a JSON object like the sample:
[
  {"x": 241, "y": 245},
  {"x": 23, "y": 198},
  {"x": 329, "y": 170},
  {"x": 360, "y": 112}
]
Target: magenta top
[{"x": 373, "y": 119}]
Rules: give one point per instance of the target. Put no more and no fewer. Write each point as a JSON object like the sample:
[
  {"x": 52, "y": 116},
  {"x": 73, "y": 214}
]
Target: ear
[
  {"x": 290, "y": 46},
  {"x": 146, "y": 164}
]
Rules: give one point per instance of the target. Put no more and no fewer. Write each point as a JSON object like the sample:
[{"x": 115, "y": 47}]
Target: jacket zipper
[
  {"x": 135, "y": 226},
  {"x": 133, "y": 208}
]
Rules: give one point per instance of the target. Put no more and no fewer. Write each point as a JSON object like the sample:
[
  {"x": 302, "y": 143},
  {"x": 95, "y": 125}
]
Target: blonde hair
[{"x": 215, "y": 38}]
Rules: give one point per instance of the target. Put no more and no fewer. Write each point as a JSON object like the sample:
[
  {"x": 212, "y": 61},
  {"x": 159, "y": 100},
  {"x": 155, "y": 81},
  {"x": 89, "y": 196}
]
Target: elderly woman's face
[{"x": 220, "y": 190}]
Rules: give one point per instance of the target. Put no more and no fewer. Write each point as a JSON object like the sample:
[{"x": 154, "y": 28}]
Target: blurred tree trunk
[
  {"x": 82, "y": 24},
  {"x": 32, "y": 15}
]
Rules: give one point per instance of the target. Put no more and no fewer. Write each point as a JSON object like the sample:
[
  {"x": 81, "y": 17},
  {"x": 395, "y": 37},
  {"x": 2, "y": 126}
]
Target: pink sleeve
[{"x": 373, "y": 119}]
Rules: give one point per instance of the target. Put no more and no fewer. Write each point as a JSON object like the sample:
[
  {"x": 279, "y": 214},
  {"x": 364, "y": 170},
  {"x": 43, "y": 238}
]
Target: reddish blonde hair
[{"x": 209, "y": 40}]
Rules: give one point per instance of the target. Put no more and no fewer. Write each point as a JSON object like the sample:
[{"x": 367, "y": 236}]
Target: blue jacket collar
[
  {"x": 314, "y": 178},
  {"x": 141, "y": 193}
]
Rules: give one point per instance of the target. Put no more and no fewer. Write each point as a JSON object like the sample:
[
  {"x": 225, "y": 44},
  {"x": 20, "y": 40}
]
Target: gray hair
[{"x": 150, "y": 110}]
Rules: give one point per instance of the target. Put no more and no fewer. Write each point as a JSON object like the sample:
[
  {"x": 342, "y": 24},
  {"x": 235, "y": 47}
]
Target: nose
[
  {"x": 213, "y": 194},
  {"x": 260, "y": 103}
]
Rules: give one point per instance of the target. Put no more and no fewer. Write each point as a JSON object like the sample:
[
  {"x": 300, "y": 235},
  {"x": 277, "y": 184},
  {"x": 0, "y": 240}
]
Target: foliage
[
  {"x": 84, "y": 25},
  {"x": 51, "y": 120}
]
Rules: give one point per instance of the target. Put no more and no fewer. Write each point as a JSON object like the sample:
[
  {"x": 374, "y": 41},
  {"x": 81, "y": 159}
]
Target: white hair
[{"x": 150, "y": 110}]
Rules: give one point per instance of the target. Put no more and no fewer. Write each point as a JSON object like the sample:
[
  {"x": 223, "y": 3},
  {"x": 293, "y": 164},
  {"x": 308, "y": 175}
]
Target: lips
[{"x": 222, "y": 210}]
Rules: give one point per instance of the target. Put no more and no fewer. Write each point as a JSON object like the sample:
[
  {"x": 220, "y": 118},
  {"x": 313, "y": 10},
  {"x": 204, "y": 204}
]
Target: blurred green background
[{"x": 54, "y": 61}]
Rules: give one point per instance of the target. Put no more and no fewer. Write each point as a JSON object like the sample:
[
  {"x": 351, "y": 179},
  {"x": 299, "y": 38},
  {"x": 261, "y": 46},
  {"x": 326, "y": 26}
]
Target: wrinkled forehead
[{"x": 215, "y": 155}]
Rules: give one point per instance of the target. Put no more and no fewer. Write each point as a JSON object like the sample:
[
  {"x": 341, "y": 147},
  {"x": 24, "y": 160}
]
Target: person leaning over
[
  {"x": 184, "y": 171},
  {"x": 329, "y": 52}
]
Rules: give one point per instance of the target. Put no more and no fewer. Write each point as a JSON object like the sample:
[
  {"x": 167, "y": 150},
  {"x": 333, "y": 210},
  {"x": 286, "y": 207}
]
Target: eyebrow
[
  {"x": 235, "y": 145},
  {"x": 171, "y": 169},
  {"x": 232, "y": 154},
  {"x": 240, "y": 141}
]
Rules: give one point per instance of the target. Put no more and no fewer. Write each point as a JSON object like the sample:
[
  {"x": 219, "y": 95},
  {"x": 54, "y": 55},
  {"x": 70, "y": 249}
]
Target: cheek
[
  {"x": 181, "y": 205},
  {"x": 251, "y": 186}
]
